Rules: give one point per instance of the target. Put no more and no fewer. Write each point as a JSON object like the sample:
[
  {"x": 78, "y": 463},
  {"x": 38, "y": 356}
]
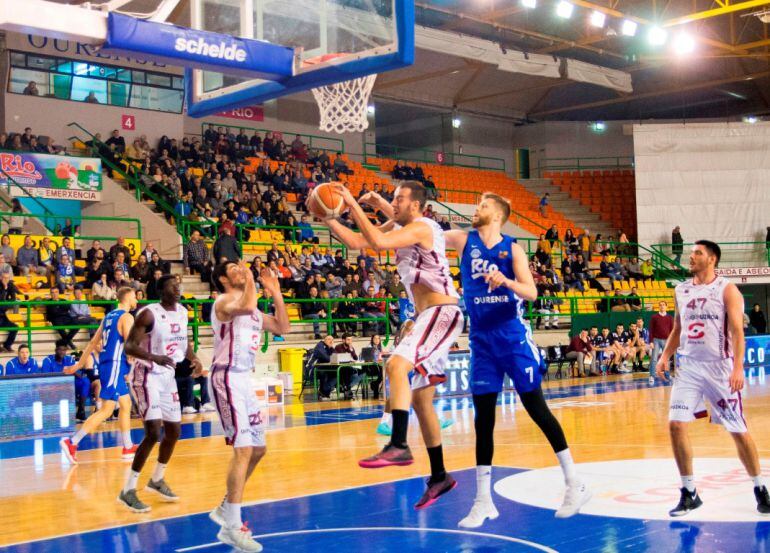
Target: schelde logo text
[{"x": 203, "y": 48}]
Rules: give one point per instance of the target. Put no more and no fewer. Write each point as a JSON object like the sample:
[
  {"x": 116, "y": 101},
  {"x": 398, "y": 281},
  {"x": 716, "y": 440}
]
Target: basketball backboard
[{"x": 333, "y": 40}]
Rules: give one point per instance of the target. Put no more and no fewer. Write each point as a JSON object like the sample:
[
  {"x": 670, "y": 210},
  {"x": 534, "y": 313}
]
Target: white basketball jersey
[
  {"x": 168, "y": 335},
  {"x": 701, "y": 307},
  {"x": 427, "y": 267},
  {"x": 236, "y": 342}
]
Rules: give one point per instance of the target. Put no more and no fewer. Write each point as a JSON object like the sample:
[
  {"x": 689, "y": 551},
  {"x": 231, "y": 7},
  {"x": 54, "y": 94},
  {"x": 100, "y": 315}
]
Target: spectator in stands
[
  {"x": 96, "y": 269},
  {"x": 120, "y": 246},
  {"x": 195, "y": 254},
  {"x": 633, "y": 269},
  {"x": 5, "y": 267},
  {"x": 120, "y": 264},
  {"x": 31, "y": 89},
  {"x": 334, "y": 286},
  {"x": 306, "y": 234},
  {"x": 618, "y": 302},
  {"x": 552, "y": 235},
  {"x": 96, "y": 247},
  {"x": 23, "y": 363},
  {"x": 28, "y": 259},
  {"x": 8, "y": 292},
  {"x": 184, "y": 206},
  {"x": 571, "y": 280},
  {"x": 153, "y": 292},
  {"x": 156, "y": 263},
  {"x": 634, "y": 301},
  {"x": 58, "y": 315},
  {"x": 91, "y": 98},
  {"x": 347, "y": 373},
  {"x": 570, "y": 244},
  {"x": 607, "y": 270},
  {"x": 677, "y": 245},
  {"x": 65, "y": 274},
  {"x": 373, "y": 281},
  {"x": 314, "y": 310},
  {"x": 545, "y": 306},
  {"x": 661, "y": 325},
  {"x": 584, "y": 244},
  {"x": 757, "y": 319},
  {"x": 647, "y": 270},
  {"x": 65, "y": 249},
  {"x": 543, "y": 205},
  {"x": 373, "y": 310},
  {"x": 81, "y": 312},
  {"x": 7, "y": 250},
  {"x": 323, "y": 354},
  {"x": 67, "y": 228},
  {"x": 16, "y": 221},
  {"x": 580, "y": 349},
  {"x": 104, "y": 289},
  {"x": 140, "y": 273}
]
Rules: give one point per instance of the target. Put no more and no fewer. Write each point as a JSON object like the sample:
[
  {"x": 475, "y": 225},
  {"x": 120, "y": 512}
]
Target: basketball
[{"x": 325, "y": 202}]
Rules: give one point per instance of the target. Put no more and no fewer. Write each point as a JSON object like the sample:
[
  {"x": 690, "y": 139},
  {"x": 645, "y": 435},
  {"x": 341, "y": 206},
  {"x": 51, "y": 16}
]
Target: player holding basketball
[
  {"x": 158, "y": 342},
  {"x": 497, "y": 281},
  {"x": 708, "y": 336},
  {"x": 112, "y": 369},
  {"x": 424, "y": 270},
  {"x": 237, "y": 325}
]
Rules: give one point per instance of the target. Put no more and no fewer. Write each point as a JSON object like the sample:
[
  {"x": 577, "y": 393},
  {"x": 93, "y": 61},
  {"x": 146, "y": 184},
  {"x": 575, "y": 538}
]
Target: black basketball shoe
[
  {"x": 763, "y": 500},
  {"x": 688, "y": 502}
]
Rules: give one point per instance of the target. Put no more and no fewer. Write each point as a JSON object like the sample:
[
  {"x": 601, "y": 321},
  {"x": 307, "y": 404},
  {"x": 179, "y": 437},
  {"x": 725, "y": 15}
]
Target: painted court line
[{"x": 509, "y": 539}]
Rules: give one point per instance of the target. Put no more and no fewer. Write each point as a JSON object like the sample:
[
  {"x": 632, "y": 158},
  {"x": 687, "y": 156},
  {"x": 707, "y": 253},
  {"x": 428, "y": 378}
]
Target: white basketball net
[{"x": 343, "y": 105}]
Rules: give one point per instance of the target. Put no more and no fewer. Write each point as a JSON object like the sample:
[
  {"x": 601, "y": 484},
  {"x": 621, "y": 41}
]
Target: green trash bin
[{"x": 291, "y": 362}]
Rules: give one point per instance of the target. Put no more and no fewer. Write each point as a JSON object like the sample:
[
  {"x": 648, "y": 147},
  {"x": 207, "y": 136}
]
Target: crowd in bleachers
[{"x": 28, "y": 142}]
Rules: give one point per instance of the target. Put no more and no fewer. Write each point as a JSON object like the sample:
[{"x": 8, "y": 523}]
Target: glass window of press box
[{"x": 83, "y": 81}]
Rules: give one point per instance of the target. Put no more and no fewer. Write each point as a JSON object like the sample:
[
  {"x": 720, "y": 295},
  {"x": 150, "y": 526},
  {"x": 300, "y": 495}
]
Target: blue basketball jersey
[
  {"x": 112, "y": 357},
  {"x": 497, "y": 309}
]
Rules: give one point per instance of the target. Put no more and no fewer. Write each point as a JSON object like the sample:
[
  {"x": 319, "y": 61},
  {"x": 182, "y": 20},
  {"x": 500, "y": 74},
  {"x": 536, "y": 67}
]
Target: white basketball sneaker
[
  {"x": 240, "y": 538},
  {"x": 482, "y": 510},
  {"x": 576, "y": 496},
  {"x": 218, "y": 515}
]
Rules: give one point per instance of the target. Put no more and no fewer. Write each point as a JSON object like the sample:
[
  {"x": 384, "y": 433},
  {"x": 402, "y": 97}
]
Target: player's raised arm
[
  {"x": 523, "y": 285},
  {"x": 278, "y": 323},
  {"x": 734, "y": 309},
  {"x": 377, "y": 202},
  {"x": 353, "y": 240},
  {"x": 456, "y": 240},
  {"x": 91, "y": 346},
  {"x": 413, "y": 233}
]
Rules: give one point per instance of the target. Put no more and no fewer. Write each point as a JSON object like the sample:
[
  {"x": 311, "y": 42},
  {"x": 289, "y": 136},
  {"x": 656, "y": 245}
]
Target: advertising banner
[{"x": 52, "y": 177}]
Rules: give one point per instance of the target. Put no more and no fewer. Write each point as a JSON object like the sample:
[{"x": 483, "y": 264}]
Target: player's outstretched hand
[
  {"x": 736, "y": 379},
  {"x": 72, "y": 369},
  {"x": 269, "y": 280},
  {"x": 371, "y": 199},
  {"x": 345, "y": 193},
  {"x": 197, "y": 367},
  {"x": 495, "y": 279},
  {"x": 164, "y": 361},
  {"x": 661, "y": 368}
]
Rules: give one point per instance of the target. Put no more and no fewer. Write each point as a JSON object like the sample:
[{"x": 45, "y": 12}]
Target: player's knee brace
[
  {"x": 538, "y": 410},
  {"x": 484, "y": 423}
]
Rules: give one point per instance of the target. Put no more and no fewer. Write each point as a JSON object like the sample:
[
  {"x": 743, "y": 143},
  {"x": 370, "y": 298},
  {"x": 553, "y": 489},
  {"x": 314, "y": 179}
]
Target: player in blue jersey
[
  {"x": 113, "y": 369},
  {"x": 497, "y": 281}
]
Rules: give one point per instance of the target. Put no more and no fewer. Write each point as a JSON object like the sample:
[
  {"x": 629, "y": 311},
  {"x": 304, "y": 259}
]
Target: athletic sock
[
  {"x": 133, "y": 477},
  {"x": 126, "y": 437},
  {"x": 484, "y": 482},
  {"x": 78, "y": 436},
  {"x": 689, "y": 483},
  {"x": 567, "y": 466},
  {"x": 160, "y": 470},
  {"x": 400, "y": 426},
  {"x": 233, "y": 514},
  {"x": 758, "y": 481},
  {"x": 387, "y": 418},
  {"x": 436, "y": 456}
]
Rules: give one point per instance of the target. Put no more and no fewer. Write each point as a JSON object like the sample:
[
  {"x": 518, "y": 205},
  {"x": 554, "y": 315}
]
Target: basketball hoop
[{"x": 343, "y": 105}]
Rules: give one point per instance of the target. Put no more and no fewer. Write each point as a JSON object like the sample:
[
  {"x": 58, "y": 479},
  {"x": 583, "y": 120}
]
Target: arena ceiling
[{"x": 727, "y": 74}]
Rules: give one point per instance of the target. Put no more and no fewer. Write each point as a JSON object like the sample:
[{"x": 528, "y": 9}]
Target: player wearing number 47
[{"x": 708, "y": 336}]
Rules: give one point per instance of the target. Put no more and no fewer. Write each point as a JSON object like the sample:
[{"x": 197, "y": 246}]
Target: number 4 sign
[{"x": 128, "y": 122}]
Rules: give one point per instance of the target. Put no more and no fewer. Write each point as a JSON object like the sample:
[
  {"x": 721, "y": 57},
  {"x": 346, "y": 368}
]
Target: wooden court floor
[{"x": 313, "y": 448}]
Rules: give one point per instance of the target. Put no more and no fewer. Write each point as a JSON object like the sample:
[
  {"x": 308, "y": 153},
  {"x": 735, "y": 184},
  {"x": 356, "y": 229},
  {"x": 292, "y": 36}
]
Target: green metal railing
[
  {"x": 80, "y": 218},
  {"x": 196, "y": 321},
  {"x": 310, "y": 140},
  {"x": 581, "y": 163},
  {"x": 734, "y": 254},
  {"x": 420, "y": 155}
]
